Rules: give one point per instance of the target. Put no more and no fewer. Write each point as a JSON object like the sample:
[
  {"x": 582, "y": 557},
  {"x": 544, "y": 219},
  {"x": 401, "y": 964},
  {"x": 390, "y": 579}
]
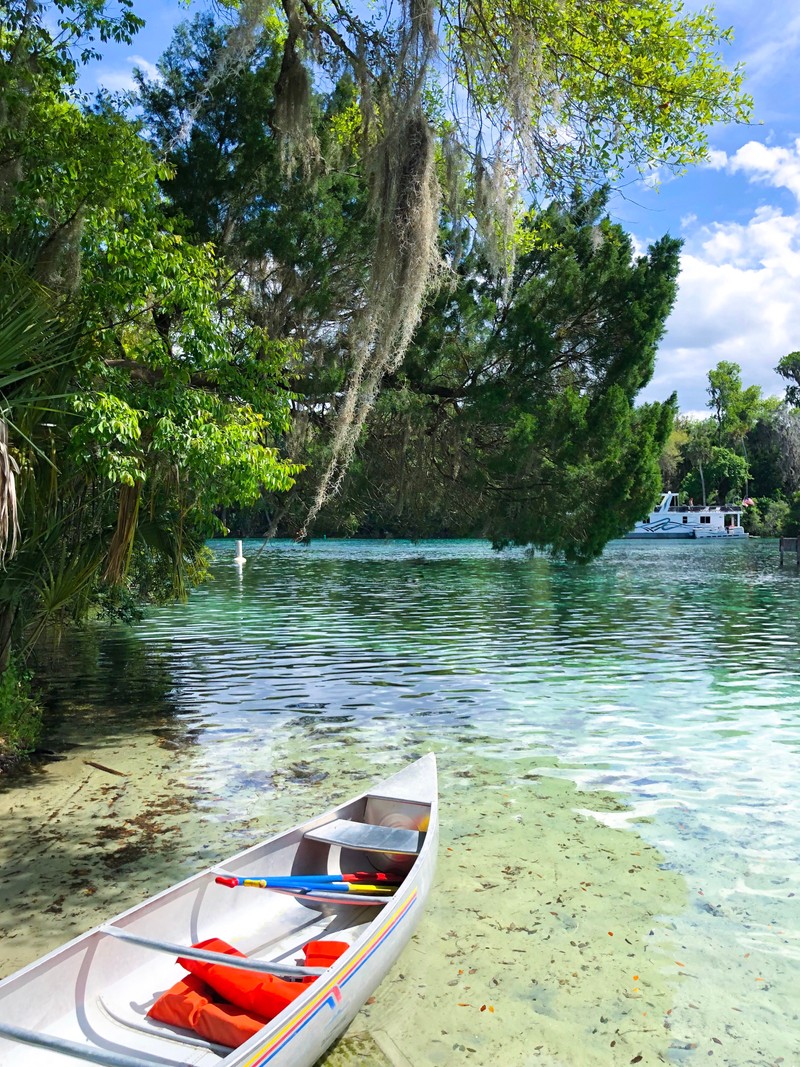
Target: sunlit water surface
[{"x": 669, "y": 673}]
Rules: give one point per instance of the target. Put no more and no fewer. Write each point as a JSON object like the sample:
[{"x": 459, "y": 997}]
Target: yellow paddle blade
[{"x": 371, "y": 889}]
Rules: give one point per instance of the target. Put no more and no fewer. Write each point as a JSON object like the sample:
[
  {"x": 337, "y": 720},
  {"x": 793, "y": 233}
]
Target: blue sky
[{"x": 739, "y": 216}]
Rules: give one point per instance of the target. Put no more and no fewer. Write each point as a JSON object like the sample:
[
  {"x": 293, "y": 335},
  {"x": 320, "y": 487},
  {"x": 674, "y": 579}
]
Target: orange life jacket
[
  {"x": 182, "y": 1003},
  {"x": 227, "y": 1025},
  {"x": 198, "y": 1001},
  {"x": 324, "y": 953},
  {"x": 264, "y": 994}
]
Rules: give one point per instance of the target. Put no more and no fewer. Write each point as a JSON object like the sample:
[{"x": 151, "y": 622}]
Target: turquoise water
[{"x": 667, "y": 673}]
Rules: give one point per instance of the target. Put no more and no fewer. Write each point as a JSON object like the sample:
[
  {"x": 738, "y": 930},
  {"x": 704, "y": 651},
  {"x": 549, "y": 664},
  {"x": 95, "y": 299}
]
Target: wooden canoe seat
[{"x": 366, "y": 837}]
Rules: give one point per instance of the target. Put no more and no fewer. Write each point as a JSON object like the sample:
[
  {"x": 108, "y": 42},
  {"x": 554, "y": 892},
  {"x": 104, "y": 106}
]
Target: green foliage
[
  {"x": 138, "y": 392},
  {"x": 512, "y": 415},
  {"x": 791, "y": 526},
  {"x": 618, "y": 83},
  {"x": 725, "y": 477},
  {"x": 671, "y": 458},
  {"x": 735, "y": 409},
  {"x": 300, "y": 243},
  {"x": 750, "y": 446},
  {"x": 698, "y": 452},
  {"x": 789, "y": 368},
  {"x": 767, "y": 518},
  {"x": 20, "y": 713}
]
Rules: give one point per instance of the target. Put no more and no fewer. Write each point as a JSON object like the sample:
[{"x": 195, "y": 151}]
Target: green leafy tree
[
  {"x": 725, "y": 476},
  {"x": 698, "y": 452},
  {"x": 512, "y": 415},
  {"x": 672, "y": 459},
  {"x": 773, "y": 448},
  {"x": 789, "y": 368},
  {"x": 735, "y": 409},
  {"x": 136, "y": 394},
  {"x": 791, "y": 526},
  {"x": 452, "y": 103},
  {"x": 767, "y": 518}
]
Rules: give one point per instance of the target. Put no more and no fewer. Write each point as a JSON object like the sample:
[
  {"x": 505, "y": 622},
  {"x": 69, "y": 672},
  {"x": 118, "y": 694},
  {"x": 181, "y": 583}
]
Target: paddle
[
  {"x": 335, "y": 888},
  {"x": 308, "y": 879},
  {"x": 299, "y": 884}
]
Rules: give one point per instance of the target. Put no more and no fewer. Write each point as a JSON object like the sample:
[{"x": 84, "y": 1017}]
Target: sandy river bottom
[{"x": 550, "y": 938}]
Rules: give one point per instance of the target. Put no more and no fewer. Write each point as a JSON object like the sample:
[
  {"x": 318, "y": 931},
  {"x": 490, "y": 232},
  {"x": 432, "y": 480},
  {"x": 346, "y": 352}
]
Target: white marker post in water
[{"x": 239, "y": 558}]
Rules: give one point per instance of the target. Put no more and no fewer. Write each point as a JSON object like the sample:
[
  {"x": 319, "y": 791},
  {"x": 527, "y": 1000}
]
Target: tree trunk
[
  {"x": 746, "y": 477},
  {"x": 119, "y": 552},
  {"x": 8, "y": 616}
]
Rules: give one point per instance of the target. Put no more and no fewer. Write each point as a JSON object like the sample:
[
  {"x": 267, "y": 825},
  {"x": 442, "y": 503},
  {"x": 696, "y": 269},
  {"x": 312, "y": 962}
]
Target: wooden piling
[{"x": 790, "y": 544}]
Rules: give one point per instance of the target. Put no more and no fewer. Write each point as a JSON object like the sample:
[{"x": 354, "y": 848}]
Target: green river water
[{"x": 619, "y": 754}]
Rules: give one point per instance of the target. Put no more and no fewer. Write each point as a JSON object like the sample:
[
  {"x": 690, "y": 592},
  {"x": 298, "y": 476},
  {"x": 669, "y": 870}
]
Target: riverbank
[{"x": 20, "y": 718}]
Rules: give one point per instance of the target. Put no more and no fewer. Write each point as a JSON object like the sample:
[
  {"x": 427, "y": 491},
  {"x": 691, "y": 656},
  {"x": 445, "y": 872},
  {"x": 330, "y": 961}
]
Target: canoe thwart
[
  {"x": 189, "y": 952},
  {"x": 367, "y": 837},
  {"x": 87, "y": 1053}
]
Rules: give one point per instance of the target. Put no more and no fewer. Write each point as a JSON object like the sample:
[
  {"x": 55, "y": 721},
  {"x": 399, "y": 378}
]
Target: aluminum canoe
[{"x": 88, "y": 1000}]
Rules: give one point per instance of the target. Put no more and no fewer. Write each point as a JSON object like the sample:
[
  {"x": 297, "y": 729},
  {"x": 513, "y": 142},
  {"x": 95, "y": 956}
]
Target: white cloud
[
  {"x": 120, "y": 79},
  {"x": 739, "y": 295},
  {"x": 779, "y": 38},
  {"x": 717, "y": 159},
  {"x": 775, "y": 166}
]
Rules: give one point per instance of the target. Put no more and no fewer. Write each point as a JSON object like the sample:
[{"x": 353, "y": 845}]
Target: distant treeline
[
  {"x": 748, "y": 447},
  {"x": 405, "y": 481}
]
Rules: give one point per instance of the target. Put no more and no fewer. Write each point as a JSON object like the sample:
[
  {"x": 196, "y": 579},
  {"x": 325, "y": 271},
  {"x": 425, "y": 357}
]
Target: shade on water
[{"x": 619, "y": 766}]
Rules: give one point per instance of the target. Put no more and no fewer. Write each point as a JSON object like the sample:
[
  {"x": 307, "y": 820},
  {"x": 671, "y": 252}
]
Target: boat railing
[{"x": 727, "y": 508}]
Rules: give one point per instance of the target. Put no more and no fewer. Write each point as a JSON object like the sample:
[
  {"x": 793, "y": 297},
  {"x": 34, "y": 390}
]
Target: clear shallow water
[{"x": 669, "y": 674}]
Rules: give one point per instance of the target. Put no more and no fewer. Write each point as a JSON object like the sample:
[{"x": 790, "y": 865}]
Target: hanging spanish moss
[
  {"x": 495, "y": 209},
  {"x": 454, "y": 185},
  {"x": 240, "y": 44},
  {"x": 292, "y": 118},
  {"x": 405, "y": 264}
]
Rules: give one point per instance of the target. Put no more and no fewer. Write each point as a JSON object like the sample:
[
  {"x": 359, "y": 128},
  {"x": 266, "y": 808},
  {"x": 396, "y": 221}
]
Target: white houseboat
[{"x": 671, "y": 520}]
